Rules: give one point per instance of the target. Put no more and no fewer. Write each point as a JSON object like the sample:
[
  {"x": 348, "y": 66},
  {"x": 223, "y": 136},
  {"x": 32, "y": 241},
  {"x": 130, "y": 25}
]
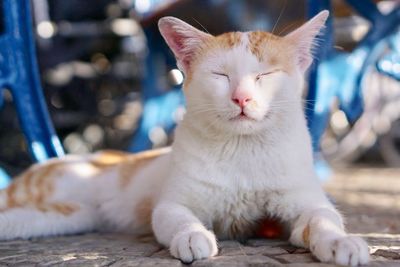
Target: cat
[{"x": 241, "y": 153}]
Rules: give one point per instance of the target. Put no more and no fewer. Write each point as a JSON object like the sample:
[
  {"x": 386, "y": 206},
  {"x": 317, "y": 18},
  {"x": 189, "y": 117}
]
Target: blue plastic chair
[
  {"x": 19, "y": 73},
  {"x": 159, "y": 103},
  {"x": 339, "y": 74}
]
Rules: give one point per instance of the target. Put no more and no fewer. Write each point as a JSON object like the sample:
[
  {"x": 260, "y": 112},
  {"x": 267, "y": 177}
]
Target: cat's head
[{"x": 239, "y": 82}]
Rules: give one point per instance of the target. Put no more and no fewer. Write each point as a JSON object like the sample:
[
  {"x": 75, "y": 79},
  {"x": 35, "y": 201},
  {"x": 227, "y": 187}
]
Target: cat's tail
[
  {"x": 31, "y": 187},
  {"x": 36, "y": 186},
  {"x": 31, "y": 206},
  {"x": 59, "y": 196}
]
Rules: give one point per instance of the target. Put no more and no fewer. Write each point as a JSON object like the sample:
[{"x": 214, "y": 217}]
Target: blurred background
[{"x": 103, "y": 62}]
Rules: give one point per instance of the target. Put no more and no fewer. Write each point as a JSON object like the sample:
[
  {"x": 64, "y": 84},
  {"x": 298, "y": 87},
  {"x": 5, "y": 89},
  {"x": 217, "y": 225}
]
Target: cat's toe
[
  {"x": 346, "y": 251},
  {"x": 323, "y": 249},
  {"x": 351, "y": 251},
  {"x": 190, "y": 246}
]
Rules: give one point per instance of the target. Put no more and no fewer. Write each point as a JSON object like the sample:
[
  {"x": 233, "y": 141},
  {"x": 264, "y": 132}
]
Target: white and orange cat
[{"x": 242, "y": 153}]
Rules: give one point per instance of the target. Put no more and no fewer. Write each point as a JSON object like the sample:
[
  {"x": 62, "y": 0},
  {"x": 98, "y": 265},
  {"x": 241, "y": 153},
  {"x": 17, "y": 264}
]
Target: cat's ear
[
  {"x": 305, "y": 39},
  {"x": 183, "y": 39}
]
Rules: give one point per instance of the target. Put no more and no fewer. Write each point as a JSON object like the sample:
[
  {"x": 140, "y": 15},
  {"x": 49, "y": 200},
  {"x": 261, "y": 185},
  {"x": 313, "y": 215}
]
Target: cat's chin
[{"x": 245, "y": 125}]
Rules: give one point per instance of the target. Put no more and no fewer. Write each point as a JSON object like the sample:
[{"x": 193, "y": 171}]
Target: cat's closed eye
[
  {"x": 221, "y": 74},
  {"x": 260, "y": 75}
]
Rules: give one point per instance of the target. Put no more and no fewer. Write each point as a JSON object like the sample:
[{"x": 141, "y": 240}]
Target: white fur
[{"x": 221, "y": 172}]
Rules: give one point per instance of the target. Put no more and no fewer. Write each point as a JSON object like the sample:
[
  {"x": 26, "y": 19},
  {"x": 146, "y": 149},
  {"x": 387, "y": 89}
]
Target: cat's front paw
[
  {"x": 193, "y": 245},
  {"x": 347, "y": 250}
]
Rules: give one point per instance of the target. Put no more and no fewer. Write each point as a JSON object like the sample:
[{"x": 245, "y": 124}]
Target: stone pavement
[{"x": 370, "y": 198}]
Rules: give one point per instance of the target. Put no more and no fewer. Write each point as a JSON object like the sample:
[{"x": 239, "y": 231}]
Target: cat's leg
[
  {"x": 319, "y": 227},
  {"x": 176, "y": 227},
  {"x": 50, "y": 219}
]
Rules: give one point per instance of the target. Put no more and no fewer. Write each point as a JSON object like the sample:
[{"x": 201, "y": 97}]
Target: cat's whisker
[
  {"x": 280, "y": 15},
  {"x": 201, "y": 25},
  {"x": 212, "y": 106},
  {"x": 277, "y": 21},
  {"x": 295, "y": 101},
  {"x": 290, "y": 26},
  {"x": 286, "y": 107},
  {"x": 287, "y": 103},
  {"x": 202, "y": 111},
  {"x": 212, "y": 124}
]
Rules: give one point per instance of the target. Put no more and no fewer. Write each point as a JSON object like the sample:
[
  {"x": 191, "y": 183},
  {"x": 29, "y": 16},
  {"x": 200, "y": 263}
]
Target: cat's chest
[
  {"x": 247, "y": 177},
  {"x": 237, "y": 214},
  {"x": 242, "y": 204}
]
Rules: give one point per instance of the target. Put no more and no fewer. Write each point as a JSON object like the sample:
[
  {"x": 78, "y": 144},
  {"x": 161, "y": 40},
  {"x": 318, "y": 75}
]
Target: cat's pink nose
[{"x": 241, "y": 100}]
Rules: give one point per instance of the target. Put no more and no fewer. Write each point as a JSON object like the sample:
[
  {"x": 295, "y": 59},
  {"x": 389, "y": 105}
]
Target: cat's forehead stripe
[
  {"x": 230, "y": 39},
  {"x": 255, "y": 42},
  {"x": 258, "y": 41}
]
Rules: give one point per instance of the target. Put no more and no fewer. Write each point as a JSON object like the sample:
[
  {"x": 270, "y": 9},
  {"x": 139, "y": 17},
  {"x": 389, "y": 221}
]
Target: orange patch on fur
[
  {"x": 143, "y": 210},
  {"x": 27, "y": 179},
  {"x": 258, "y": 41},
  {"x": 274, "y": 50},
  {"x": 20, "y": 192},
  {"x": 15, "y": 197},
  {"x": 108, "y": 158},
  {"x": 10, "y": 192},
  {"x": 43, "y": 182},
  {"x": 63, "y": 208},
  {"x": 273, "y": 60},
  {"x": 306, "y": 235},
  {"x": 229, "y": 39}
]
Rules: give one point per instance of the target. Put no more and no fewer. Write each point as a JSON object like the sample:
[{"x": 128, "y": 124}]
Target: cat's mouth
[{"x": 242, "y": 116}]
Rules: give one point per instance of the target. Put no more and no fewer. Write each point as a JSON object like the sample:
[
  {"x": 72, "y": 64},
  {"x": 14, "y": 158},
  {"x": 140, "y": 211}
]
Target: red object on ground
[{"x": 270, "y": 228}]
